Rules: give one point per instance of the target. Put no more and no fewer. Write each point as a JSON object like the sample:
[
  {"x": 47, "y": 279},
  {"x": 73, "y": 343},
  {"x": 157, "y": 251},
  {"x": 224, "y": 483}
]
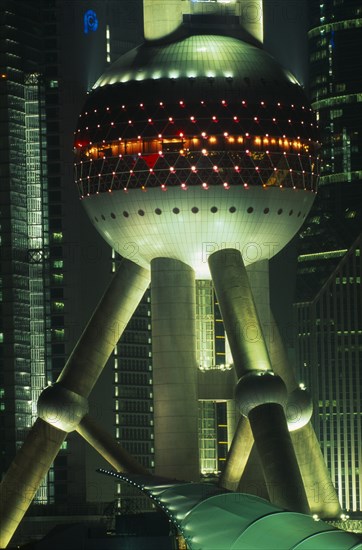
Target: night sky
[{"x": 285, "y": 28}]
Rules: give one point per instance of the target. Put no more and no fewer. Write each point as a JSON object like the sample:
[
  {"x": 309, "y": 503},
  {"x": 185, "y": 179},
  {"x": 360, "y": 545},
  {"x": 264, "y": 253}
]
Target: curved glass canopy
[{"x": 211, "y": 518}]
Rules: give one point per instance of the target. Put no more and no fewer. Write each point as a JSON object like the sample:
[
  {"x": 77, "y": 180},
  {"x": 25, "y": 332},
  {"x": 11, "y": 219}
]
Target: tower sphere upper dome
[
  {"x": 210, "y": 56},
  {"x": 187, "y": 146}
]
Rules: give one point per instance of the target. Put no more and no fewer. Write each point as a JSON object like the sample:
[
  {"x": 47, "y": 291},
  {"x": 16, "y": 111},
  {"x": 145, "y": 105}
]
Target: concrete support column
[
  {"x": 260, "y": 394},
  {"x": 25, "y": 474},
  {"x": 238, "y": 455},
  {"x": 108, "y": 447},
  {"x": 173, "y": 300},
  {"x": 258, "y": 274},
  {"x": 321, "y": 494},
  {"x": 275, "y": 449},
  {"x": 232, "y": 419},
  {"x": 105, "y": 328},
  {"x": 62, "y": 406},
  {"x": 239, "y": 312}
]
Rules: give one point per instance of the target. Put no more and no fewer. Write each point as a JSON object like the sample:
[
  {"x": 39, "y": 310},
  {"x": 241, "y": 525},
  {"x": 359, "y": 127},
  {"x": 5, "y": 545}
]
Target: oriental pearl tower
[{"x": 196, "y": 155}]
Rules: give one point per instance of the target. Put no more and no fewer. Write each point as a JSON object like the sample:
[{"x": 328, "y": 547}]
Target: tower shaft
[
  {"x": 163, "y": 17},
  {"x": 174, "y": 369}
]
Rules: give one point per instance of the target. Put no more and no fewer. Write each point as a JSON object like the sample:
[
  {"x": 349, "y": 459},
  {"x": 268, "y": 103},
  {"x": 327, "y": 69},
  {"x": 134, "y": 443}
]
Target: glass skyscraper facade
[
  {"x": 328, "y": 308},
  {"x": 31, "y": 267},
  {"x": 336, "y": 94},
  {"x": 330, "y": 350}
]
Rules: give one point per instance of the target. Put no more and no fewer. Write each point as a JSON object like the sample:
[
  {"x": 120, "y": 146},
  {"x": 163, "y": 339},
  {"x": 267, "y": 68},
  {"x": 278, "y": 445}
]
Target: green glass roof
[{"x": 211, "y": 518}]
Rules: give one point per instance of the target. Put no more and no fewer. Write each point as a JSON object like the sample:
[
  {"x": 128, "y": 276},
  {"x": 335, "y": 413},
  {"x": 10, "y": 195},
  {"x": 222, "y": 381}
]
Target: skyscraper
[
  {"x": 42, "y": 259},
  {"x": 31, "y": 260},
  {"x": 329, "y": 343},
  {"x": 329, "y": 309},
  {"x": 335, "y": 91}
]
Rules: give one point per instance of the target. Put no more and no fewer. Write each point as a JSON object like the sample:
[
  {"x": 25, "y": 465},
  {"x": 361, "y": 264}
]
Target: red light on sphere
[{"x": 81, "y": 143}]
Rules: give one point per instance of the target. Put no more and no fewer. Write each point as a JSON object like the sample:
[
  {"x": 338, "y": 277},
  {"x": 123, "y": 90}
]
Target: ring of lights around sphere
[
  {"x": 221, "y": 152},
  {"x": 299, "y": 409},
  {"x": 62, "y": 408},
  {"x": 259, "y": 388}
]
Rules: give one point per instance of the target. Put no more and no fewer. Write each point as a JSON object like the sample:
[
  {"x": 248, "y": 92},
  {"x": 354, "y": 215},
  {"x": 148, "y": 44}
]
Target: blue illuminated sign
[
  {"x": 90, "y": 21},
  {"x": 332, "y": 42}
]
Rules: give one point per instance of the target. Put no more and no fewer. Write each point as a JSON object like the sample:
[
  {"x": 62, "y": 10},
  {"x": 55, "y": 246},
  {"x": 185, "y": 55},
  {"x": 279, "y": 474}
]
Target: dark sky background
[{"x": 285, "y": 33}]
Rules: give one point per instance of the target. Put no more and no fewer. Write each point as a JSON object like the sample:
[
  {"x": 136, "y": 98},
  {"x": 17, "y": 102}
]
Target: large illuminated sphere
[{"x": 189, "y": 147}]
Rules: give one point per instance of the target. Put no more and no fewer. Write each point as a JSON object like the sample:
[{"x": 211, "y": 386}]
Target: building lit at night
[
  {"x": 197, "y": 159},
  {"x": 328, "y": 307}
]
